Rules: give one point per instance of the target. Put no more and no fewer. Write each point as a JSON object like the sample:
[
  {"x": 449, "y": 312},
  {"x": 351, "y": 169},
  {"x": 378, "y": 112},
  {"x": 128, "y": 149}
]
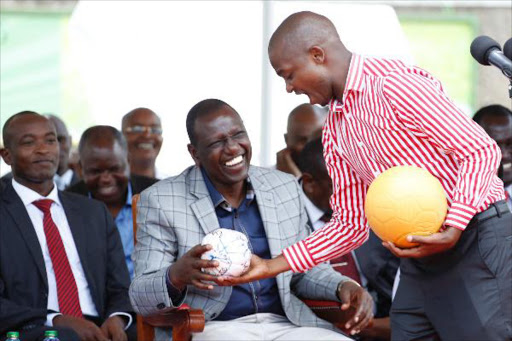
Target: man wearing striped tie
[
  {"x": 456, "y": 284},
  {"x": 61, "y": 259}
]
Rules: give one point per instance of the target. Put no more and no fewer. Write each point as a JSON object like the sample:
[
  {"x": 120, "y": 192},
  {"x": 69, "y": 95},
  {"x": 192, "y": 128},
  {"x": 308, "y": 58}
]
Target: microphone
[
  {"x": 507, "y": 49},
  {"x": 487, "y": 51}
]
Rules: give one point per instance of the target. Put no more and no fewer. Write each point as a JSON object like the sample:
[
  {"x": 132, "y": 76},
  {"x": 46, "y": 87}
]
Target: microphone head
[
  {"x": 480, "y": 48},
  {"x": 507, "y": 49}
]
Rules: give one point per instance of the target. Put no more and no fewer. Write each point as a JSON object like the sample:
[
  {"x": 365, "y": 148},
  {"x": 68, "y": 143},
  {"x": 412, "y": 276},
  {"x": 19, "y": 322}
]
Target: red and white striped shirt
[{"x": 391, "y": 115}]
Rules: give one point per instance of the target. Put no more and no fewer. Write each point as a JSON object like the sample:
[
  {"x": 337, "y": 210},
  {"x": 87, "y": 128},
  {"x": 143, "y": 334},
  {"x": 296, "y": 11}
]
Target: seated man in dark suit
[
  {"x": 371, "y": 265},
  {"x": 61, "y": 258},
  {"x": 106, "y": 177}
]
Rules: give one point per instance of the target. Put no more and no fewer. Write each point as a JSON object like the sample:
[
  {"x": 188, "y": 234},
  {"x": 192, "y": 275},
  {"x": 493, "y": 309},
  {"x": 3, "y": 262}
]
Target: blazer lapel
[
  {"x": 76, "y": 221},
  {"x": 203, "y": 208},
  {"x": 269, "y": 215},
  {"x": 19, "y": 215}
]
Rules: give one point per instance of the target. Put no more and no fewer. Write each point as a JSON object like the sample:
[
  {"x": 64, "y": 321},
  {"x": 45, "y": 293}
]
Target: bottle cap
[{"x": 50, "y": 333}]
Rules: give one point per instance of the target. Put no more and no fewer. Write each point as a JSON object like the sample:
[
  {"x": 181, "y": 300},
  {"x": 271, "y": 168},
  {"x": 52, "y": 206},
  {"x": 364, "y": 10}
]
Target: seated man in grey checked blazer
[{"x": 224, "y": 190}]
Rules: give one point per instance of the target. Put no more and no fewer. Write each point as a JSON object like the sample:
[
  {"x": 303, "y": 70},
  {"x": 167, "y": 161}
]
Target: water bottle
[
  {"x": 51, "y": 335},
  {"x": 13, "y": 336}
]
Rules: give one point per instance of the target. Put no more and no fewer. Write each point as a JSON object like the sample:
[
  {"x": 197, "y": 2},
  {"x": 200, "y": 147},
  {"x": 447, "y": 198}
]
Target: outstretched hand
[
  {"x": 352, "y": 295},
  {"x": 259, "y": 269},
  {"x": 428, "y": 245},
  {"x": 187, "y": 269}
]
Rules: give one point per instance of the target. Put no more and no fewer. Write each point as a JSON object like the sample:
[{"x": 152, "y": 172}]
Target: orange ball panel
[{"x": 405, "y": 200}]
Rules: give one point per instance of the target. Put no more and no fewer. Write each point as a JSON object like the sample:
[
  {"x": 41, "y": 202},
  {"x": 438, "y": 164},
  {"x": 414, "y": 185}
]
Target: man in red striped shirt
[{"x": 457, "y": 283}]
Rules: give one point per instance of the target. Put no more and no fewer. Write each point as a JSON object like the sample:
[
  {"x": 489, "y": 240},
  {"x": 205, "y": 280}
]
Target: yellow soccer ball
[{"x": 405, "y": 200}]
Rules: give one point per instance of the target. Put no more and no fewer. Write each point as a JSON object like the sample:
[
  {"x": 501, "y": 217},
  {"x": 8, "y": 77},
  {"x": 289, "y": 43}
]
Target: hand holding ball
[
  {"x": 231, "y": 249},
  {"x": 403, "y": 201}
]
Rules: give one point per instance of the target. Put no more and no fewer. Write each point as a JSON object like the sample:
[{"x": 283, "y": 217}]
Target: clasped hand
[
  {"x": 187, "y": 269},
  {"x": 428, "y": 245},
  {"x": 352, "y": 295}
]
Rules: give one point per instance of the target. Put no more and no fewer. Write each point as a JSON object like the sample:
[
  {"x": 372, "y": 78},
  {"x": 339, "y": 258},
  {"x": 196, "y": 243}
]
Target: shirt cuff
[
  {"x": 459, "y": 215},
  {"x": 177, "y": 297},
  {"x": 49, "y": 319},
  {"x": 130, "y": 318},
  {"x": 298, "y": 257}
]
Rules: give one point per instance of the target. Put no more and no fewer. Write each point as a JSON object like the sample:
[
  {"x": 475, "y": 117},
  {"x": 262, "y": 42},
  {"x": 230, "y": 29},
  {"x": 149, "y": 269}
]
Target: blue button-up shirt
[
  {"x": 124, "y": 223},
  {"x": 259, "y": 296}
]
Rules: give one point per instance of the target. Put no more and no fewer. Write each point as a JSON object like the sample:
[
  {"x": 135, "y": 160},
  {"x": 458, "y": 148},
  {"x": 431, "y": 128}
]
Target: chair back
[{"x": 145, "y": 332}]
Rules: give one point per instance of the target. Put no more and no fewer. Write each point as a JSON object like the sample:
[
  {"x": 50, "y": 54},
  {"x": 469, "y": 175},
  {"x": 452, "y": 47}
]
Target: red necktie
[
  {"x": 346, "y": 265},
  {"x": 67, "y": 292}
]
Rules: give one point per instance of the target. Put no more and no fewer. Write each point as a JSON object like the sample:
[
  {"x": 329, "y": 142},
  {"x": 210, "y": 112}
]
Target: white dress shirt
[
  {"x": 28, "y": 196},
  {"x": 63, "y": 181},
  {"x": 314, "y": 213}
]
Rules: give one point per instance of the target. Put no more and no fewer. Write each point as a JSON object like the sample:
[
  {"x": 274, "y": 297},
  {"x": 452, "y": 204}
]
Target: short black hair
[
  {"x": 99, "y": 132},
  {"x": 311, "y": 158},
  {"x": 491, "y": 110},
  {"x": 5, "y": 129},
  {"x": 201, "y": 109}
]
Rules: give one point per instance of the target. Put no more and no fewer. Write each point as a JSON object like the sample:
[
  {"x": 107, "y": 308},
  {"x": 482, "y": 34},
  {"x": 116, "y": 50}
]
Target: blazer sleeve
[
  {"x": 156, "y": 250},
  {"x": 118, "y": 278},
  {"x": 14, "y": 316}
]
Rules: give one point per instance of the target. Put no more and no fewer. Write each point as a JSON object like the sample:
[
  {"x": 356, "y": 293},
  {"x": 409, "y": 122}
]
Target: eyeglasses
[{"x": 143, "y": 129}]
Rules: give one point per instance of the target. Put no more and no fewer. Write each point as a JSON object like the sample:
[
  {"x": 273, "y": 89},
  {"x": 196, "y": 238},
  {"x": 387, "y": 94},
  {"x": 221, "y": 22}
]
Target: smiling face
[
  {"x": 143, "y": 132},
  {"x": 303, "y": 73},
  {"x": 32, "y": 150},
  {"x": 105, "y": 171},
  {"x": 222, "y": 148}
]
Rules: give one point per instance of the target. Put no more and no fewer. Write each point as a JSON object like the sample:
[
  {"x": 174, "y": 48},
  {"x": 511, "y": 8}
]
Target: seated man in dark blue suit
[
  {"x": 371, "y": 265},
  {"x": 61, "y": 259}
]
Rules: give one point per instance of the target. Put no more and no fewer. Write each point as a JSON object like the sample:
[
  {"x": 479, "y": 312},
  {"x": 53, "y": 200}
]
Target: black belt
[{"x": 495, "y": 209}]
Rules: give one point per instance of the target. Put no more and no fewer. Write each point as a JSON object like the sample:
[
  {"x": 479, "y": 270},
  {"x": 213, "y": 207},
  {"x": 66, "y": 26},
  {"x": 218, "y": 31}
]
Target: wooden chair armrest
[
  {"x": 330, "y": 311},
  {"x": 191, "y": 319},
  {"x": 183, "y": 322}
]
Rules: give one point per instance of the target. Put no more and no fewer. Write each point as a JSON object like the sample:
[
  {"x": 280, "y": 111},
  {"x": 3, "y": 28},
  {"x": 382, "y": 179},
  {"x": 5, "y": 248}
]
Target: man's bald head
[
  {"x": 303, "y": 121},
  {"x": 306, "y": 114},
  {"x": 101, "y": 137},
  {"x": 6, "y": 133},
  {"x": 302, "y": 30}
]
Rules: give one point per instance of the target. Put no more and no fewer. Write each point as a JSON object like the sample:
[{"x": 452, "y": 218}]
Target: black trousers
[{"x": 464, "y": 293}]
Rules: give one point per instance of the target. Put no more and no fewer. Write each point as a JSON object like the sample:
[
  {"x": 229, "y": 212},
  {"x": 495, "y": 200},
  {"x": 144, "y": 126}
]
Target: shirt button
[
  {"x": 160, "y": 306},
  {"x": 360, "y": 144}
]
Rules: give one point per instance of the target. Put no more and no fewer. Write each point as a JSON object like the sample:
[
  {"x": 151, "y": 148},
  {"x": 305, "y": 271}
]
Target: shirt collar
[
  {"x": 355, "y": 81},
  {"x": 28, "y": 196},
  {"x": 66, "y": 177},
  {"x": 314, "y": 213},
  {"x": 216, "y": 196},
  {"x": 129, "y": 195}
]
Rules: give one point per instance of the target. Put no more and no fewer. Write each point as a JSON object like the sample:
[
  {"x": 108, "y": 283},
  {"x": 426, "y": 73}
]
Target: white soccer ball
[{"x": 230, "y": 249}]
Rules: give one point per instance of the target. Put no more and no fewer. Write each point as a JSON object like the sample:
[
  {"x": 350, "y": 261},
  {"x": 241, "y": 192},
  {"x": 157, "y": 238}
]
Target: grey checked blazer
[{"x": 176, "y": 213}]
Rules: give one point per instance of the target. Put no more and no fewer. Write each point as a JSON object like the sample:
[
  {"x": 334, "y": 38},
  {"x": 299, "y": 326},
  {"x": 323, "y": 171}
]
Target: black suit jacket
[
  {"x": 23, "y": 280},
  {"x": 138, "y": 182},
  {"x": 379, "y": 266}
]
